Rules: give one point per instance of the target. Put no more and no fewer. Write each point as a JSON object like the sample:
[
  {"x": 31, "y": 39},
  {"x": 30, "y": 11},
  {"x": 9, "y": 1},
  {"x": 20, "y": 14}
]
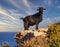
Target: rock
[{"x": 24, "y": 37}]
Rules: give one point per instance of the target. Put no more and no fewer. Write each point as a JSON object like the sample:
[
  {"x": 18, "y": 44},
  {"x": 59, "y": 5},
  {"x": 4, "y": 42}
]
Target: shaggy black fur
[{"x": 33, "y": 19}]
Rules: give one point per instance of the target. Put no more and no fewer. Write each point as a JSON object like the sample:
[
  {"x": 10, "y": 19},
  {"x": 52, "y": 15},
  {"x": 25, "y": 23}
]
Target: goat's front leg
[{"x": 37, "y": 26}]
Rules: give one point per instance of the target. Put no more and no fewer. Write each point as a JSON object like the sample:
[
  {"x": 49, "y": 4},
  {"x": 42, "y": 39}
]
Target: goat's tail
[{"x": 22, "y": 19}]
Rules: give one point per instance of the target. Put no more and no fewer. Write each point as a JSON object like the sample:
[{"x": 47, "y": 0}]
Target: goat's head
[{"x": 41, "y": 9}]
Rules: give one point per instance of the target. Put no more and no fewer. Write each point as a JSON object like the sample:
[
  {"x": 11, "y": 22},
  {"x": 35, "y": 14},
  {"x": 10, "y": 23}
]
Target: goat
[{"x": 33, "y": 19}]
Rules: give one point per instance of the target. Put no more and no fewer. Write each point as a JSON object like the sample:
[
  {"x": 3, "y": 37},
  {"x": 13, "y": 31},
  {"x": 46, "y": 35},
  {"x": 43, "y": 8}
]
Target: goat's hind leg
[{"x": 26, "y": 26}]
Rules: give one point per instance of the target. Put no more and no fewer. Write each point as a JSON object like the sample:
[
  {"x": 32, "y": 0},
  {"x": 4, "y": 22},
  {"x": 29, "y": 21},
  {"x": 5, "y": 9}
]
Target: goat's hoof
[{"x": 36, "y": 29}]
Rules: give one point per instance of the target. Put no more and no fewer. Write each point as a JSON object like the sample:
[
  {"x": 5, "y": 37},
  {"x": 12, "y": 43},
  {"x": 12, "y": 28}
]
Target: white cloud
[
  {"x": 47, "y": 2},
  {"x": 48, "y": 21},
  {"x": 10, "y": 17},
  {"x": 26, "y": 3},
  {"x": 9, "y": 20},
  {"x": 22, "y": 5},
  {"x": 4, "y": 13},
  {"x": 16, "y": 25},
  {"x": 2, "y": 28},
  {"x": 15, "y": 13},
  {"x": 5, "y": 26},
  {"x": 58, "y": 7},
  {"x": 9, "y": 29}
]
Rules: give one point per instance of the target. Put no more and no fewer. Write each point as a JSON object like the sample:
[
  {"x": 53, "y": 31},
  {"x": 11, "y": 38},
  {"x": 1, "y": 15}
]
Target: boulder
[{"x": 31, "y": 36}]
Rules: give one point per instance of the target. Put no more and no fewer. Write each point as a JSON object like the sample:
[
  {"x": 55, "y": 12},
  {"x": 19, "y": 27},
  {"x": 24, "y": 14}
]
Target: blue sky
[{"x": 12, "y": 10}]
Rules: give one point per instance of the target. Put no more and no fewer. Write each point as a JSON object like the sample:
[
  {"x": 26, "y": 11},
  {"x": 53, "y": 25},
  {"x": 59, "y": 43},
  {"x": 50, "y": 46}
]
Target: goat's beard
[{"x": 41, "y": 11}]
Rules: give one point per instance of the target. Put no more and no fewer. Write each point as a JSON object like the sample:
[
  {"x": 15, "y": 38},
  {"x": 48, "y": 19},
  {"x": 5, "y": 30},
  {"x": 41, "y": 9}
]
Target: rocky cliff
[
  {"x": 31, "y": 38},
  {"x": 44, "y": 37}
]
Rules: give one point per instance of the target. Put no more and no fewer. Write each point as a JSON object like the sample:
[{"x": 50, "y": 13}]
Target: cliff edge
[
  {"x": 44, "y": 37},
  {"x": 31, "y": 38}
]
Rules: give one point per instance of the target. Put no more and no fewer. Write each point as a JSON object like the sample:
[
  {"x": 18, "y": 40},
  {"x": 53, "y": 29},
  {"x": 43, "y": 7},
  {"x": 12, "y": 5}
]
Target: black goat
[{"x": 33, "y": 19}]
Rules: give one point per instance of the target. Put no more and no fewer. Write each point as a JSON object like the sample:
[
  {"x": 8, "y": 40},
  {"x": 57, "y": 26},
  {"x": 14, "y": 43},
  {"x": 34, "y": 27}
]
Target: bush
[
  {"x": 53, "y": 35},
  {"x": 6, "y": 45}
]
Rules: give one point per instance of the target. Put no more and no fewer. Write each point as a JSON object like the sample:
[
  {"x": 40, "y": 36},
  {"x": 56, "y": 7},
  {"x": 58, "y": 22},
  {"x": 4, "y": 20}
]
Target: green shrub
[
  {"x": 53, "y": 35},
  {"x": 3, "y": 45},
  {"x": 6, "y": 45}
]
